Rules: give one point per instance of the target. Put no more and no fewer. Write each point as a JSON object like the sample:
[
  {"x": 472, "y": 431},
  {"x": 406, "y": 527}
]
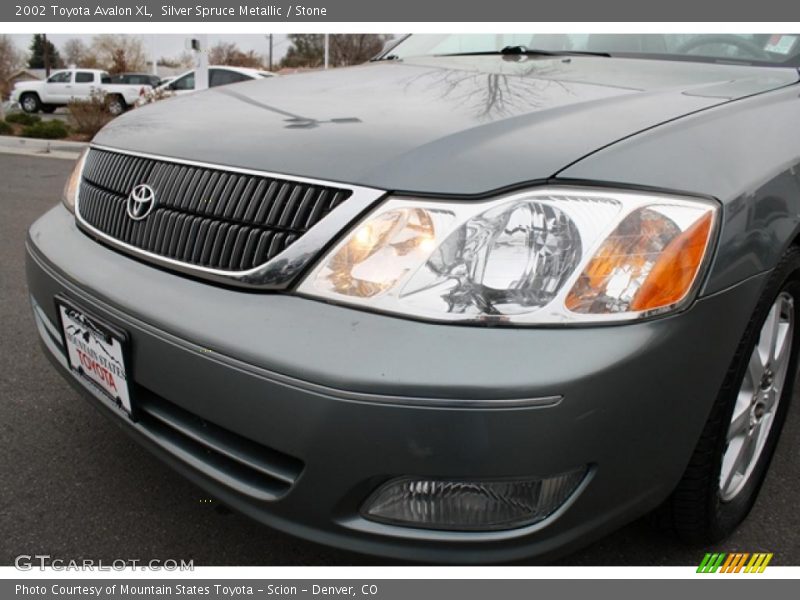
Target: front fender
[
  {"x": 18, "y": 91},
  {"x": 745, "y": 153}
]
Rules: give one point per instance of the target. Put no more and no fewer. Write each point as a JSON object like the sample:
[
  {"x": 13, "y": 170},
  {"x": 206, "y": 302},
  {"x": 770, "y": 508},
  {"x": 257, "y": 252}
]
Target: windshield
[{"x": 761, "y": 49}]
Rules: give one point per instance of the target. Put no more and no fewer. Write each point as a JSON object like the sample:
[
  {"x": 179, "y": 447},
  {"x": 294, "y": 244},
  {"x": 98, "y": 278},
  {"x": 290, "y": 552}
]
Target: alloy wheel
[
  {"x": 758, "y": 398},
  {"x": 115, "y": 107}
]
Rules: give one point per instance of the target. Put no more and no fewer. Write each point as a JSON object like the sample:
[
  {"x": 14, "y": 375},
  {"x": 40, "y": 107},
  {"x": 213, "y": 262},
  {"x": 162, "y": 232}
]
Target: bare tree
[
  {"x": 11, "y": 60},
  {"x": 355, "y": 48},
  {"x": 230, "y": 54},
  {"x": 185, "y": 59},
  {"x": 306, "y": 49},
  {"x": 76, "y": 52},
  {"x": 119, "y": 53},
  {"x": 170, "y": 62}
]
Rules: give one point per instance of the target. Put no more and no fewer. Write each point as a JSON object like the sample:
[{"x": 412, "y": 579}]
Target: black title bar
[{"x": 444, "y": 11}]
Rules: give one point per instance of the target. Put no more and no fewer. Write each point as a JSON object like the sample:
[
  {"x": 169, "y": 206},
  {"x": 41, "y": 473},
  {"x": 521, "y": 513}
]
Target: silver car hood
[{"x": 457, "y": 125}]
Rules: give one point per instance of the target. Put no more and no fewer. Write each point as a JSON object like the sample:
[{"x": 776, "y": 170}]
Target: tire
[
  {"x": 30, "y": 103},
  {"x": 49, "y": 108},
  {"x": 116, "y": 105},
  {"x": 713, "y": 498}
]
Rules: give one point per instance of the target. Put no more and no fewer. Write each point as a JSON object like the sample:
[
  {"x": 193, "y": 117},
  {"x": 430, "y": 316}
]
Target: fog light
[{"x": 470, "y": 505}]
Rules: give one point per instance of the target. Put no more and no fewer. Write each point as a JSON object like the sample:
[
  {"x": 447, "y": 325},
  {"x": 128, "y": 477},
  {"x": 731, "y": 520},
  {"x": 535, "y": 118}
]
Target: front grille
[{"x": 203, "y": 217}]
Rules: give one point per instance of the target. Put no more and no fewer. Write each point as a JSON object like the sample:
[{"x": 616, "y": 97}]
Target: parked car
[
  {"x": 137, "y": 79},
  {"x": 217, "y": 76},
  {"x": 74, "y": 84},
  {"x": 485, "y": 298}
]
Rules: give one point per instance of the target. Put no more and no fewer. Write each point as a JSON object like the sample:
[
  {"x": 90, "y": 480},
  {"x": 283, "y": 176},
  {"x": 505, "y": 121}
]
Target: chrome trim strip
[
  {"x": 454, "y": 403},
  {"x": 232, "y": 169},
  {"x": 278, "y": 272}
]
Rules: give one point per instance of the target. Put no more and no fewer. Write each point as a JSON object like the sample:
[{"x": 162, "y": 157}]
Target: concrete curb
[{"x": 44, "y": 148}]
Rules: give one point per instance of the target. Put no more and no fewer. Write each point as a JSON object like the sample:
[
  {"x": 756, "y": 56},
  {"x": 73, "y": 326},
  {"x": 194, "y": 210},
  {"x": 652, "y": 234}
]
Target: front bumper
[{"x": 332, "y": 402}]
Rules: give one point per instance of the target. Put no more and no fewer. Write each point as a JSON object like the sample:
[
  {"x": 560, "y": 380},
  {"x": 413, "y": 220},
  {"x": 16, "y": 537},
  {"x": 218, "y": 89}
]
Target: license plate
[{"x": 96, "y": 354}]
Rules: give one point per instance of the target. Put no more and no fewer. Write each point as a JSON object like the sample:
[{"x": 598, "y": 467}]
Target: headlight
[
  {"x": 543, "y": 256},
  {"x": 70, "y": 194}
]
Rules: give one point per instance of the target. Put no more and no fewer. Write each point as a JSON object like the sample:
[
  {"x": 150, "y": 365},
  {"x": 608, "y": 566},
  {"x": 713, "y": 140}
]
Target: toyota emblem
[{"x": 141, "y": 201}]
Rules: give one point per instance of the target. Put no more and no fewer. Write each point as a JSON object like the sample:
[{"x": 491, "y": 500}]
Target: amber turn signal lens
[
  {"x": 673, "y": 274},
  {"x": 649, "y": 262}
]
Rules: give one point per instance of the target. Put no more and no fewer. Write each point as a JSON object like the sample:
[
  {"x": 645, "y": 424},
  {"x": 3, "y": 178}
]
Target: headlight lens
[
  {"x": 381, "y": 251},
  {"x": 70, "y": 194},
  {"x": 545, "y": 256}
]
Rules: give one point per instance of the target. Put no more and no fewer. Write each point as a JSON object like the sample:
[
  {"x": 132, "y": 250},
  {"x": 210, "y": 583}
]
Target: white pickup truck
[{"x": 75, "y": 84}]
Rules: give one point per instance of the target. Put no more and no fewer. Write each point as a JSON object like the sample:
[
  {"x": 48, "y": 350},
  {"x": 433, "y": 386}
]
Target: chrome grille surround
[{"x": 280, "y": 270}]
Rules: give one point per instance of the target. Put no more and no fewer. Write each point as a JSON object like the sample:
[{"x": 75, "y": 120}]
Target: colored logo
[{"x": 735, "y": 562}]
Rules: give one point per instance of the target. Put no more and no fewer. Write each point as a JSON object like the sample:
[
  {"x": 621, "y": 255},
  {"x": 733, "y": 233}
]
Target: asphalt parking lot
[{"x": 73, "y": 486}]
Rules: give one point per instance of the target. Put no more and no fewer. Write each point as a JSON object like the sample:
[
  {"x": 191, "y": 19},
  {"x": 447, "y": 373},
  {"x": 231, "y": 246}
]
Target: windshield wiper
[
  {"x": 387, "y": 57},
  {"x": 524, "y": 51}
]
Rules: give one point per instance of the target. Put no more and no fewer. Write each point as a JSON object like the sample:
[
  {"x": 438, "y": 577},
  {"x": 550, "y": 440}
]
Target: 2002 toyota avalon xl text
[{"x": 487, "y": 297}]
